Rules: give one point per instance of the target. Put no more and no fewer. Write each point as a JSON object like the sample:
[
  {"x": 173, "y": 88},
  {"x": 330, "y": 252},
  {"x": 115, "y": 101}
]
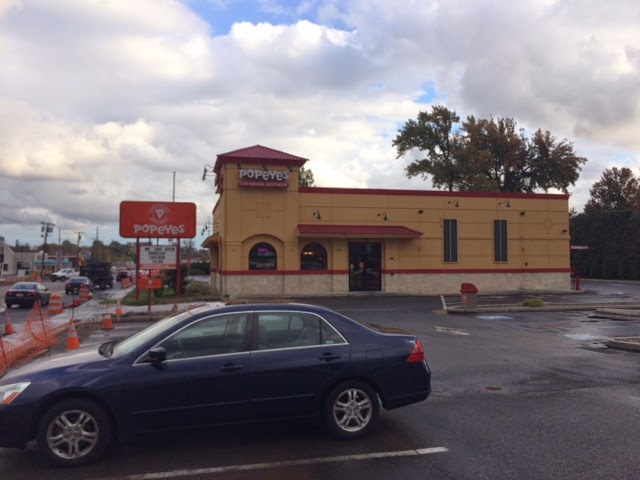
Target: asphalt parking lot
[{"x": 522, "y": 395}]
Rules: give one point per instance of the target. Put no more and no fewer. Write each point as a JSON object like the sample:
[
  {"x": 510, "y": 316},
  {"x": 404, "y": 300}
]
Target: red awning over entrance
[{"x": 357, "y": 231}]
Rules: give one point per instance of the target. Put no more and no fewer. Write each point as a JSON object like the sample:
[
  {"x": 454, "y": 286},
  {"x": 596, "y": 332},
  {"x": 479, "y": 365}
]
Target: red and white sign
[
  {"x": 159, "y": 257},
  {"x": 157, "y": 220}
]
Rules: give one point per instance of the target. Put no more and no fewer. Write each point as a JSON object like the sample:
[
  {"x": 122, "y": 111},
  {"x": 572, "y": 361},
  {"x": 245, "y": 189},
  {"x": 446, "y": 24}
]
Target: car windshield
[{"x": 134, "y": 341}]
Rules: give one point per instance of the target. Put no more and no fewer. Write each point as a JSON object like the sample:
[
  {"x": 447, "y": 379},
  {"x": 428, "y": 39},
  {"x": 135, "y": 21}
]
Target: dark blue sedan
[{"x": 212, "y": 365}]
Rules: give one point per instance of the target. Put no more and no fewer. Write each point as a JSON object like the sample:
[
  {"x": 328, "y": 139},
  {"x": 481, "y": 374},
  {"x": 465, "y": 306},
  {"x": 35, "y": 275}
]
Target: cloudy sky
[{"x": 102, "y": 100}]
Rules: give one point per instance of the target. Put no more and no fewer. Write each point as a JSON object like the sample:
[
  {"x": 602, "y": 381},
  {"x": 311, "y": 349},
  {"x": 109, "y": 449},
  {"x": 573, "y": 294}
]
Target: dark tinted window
[
  {"x": 313, "y": 257},
  {"x": 218, "y": 335},
  {"x": 263, "y": 257},
  {"x": 294, "y": 329},
  {"x": 500, "y": 243},
  {"x": 450, "y": 240}
]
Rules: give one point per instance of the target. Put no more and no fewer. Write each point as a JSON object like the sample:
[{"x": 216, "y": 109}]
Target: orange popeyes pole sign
[{"x": 157, "y": 219}]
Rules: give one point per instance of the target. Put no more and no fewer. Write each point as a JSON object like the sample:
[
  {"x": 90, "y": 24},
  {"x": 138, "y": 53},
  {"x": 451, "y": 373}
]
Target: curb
[
  {"x": 625, "y": 343},
  {"x": 547, "y": 308}
]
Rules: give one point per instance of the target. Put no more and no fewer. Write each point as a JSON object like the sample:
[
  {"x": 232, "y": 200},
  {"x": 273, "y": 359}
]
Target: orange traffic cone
[
  {"x": 73, "y": 343},
  {"x": 8, "y": 327},
  {"x": 118, "y": 311},
  {"x": 107, "y": 324}
]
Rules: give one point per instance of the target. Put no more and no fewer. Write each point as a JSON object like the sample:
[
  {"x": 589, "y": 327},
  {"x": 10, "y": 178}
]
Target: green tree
[
  {"x": 305, "y": 178},
  {"x": 617, "y": 189},
  {"x": 486, "y": 154}
]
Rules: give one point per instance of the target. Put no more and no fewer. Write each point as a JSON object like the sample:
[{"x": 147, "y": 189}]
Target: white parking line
[{"x": 288, "y": 463}]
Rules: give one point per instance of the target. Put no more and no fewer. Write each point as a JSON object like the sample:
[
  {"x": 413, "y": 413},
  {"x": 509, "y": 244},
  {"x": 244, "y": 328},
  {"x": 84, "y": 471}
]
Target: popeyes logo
[
  {"x": 263, "y": 178},
  {"x": 157, "y": 220}
]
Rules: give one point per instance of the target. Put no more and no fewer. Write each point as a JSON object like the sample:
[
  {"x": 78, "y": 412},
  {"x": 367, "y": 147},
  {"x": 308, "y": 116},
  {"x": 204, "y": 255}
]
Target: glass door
[{"x": 365, "y": 267}]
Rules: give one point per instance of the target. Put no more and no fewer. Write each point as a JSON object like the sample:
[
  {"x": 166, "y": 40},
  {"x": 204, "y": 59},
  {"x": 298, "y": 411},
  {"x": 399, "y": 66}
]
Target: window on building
[
  {"x": 263, "y": 257},
  {"x": 450, "y": 240},
  {"x": 500, "y": 240},
  {"x": 313, "y": 257}
]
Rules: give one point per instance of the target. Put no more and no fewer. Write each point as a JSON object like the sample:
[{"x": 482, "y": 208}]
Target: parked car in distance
[
  {"x": 26, "y": 294},
  {"x": 208, "y": 365},
  {"x": 121, "y": 275},
  {"x": 76, "y": 283},
  {"x": 63, "y": 274}
]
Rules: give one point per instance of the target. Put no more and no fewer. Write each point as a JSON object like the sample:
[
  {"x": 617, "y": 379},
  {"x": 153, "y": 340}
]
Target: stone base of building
[{"x": 294, "y": 285}]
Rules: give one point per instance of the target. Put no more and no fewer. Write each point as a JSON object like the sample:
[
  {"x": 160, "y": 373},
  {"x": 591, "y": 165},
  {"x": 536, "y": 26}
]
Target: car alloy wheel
[
  {"x": 74, "y": 432},
  {"x": 351, "y": 409}
]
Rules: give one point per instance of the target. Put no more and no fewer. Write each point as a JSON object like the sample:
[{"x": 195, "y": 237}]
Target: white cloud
[{"x": 103, "y": 101}]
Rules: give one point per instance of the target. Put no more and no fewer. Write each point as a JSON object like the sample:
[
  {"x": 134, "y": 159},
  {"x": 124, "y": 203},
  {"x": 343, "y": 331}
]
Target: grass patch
[
  {"x": 533, "y": 302},
  {"x": 195, "y": 292}
]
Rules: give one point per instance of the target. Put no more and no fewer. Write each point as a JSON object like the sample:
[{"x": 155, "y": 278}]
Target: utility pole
[
  {"x": 46, "y": 228},
  {"x": 78, "y": 258}
]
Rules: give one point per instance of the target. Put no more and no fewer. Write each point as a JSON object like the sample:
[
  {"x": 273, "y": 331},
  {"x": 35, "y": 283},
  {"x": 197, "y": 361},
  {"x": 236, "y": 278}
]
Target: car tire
[
  {"x": 45, "y": 301},
  {"x": 351, "y": 409},
  {"x": 62, "y": 279},
  {"x": 9, "y": 305},
  {"x": 85, "y": 438},
  {"x": 53, "y": 279}
]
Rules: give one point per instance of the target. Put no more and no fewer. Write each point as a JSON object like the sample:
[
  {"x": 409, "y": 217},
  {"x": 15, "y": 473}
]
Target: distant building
[{"x": 272, "y": 237}]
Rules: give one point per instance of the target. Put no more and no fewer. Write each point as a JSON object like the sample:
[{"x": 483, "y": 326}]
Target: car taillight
[
  {"x": 31, "y": 294},
  {"x": 417, "y": 355},
  {"x": 10, "y": 294}
]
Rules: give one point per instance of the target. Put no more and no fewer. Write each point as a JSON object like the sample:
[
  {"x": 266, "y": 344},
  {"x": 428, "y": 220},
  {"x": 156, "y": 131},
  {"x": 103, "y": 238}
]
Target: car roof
[{"x": 24, "y": 284}]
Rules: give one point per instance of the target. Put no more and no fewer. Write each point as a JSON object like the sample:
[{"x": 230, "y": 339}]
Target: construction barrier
[
  {"x": 84, "y": 295},
  {"x": 107, "y": 323},
  {"x": 8, "y": 326},
  {"x": 55, "y": 304},
  {"x": 33, "y": 338},
  {"x": 118, "y": 311},
  {"x": 73, "y": 343}
]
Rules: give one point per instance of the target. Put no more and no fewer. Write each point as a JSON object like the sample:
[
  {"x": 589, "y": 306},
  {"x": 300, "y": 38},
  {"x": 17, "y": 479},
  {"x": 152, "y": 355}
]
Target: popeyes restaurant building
[{"x": 272, "y": 237}]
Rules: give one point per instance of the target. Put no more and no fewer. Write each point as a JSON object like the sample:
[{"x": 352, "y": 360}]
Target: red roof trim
[
  {"x": 432, "y": 193},
  {"x": 486, "y": 271},
  {"x": 372, "y": 230},
  {"x": 258, "y": 154}
]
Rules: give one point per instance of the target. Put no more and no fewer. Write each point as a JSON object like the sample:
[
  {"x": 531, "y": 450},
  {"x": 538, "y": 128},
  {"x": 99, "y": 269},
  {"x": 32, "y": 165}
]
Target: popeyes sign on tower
[{"x": 157, "y": 219}]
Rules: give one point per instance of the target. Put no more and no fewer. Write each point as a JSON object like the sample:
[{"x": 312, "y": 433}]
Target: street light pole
[{"x": 46, "y": 228}]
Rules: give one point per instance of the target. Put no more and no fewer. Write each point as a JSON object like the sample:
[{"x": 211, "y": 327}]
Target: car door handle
[
  {"x": 230, "y": 367},
  {"x": 327, "y": 357}
]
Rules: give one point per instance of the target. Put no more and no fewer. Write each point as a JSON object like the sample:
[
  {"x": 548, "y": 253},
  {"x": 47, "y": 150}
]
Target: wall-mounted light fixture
[
  {"x": 316, "y": 214},
  {"x": 505, "y": 203},
  {"x": 290, "y": 168},
  {"x": 455, "y": 203},
  {"x": 384, "y": 216},
  {"x": 264, "y": 167},
  {"x": 420, "y": 212},
  {"x": 522, "y": 214},
  {"x": 208, "y": 170},
  {"x": 239, "y": 166}
]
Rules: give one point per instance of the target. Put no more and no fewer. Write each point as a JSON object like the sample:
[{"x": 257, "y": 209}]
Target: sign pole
[
  {"x": 178, "y": 272},
  {"x": 137, "y": 269}
]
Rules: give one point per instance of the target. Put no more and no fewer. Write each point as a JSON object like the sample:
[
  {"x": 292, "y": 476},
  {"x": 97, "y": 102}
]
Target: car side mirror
[{"x": 157, "y": 355}]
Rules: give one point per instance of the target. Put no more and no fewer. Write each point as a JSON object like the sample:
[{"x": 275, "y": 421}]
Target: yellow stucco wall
[{"x": 538, "y": 236}]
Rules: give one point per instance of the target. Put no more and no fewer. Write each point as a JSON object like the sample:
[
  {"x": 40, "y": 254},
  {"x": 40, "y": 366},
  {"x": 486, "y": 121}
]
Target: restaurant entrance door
[{"x": 365, "y": 267}]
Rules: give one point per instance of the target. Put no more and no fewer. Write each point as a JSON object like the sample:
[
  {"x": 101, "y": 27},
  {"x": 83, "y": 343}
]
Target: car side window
[
  {"x": 219, "y": 335},
  {"x": 278, "y": 330}
]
